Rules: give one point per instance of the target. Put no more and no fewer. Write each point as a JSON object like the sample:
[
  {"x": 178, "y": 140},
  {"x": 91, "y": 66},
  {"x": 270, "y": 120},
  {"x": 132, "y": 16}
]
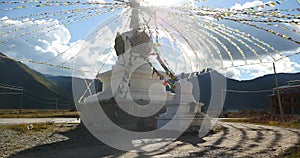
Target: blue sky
[
  {"x": 48, "y": 46},
  {"x": 78, "y": 31},
  {"x": 81, "y": 29}
]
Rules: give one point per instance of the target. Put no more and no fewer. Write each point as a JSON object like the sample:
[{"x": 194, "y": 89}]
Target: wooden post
[
  {"x": 293, "y": 105},
  {"x": 278, "y": 93},
  {"x": 21, "y": 102},
  {"x": 56, "y": 104}
]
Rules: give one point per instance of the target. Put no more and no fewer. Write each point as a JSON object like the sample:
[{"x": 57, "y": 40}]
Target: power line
[
  {"x": 11, "y": 87},
  {"x": 8, "y": 93},
  {"x": 37, "y": 100},
  {"x": 51, "y": 99},
  {"x": 246, "y": 91}
]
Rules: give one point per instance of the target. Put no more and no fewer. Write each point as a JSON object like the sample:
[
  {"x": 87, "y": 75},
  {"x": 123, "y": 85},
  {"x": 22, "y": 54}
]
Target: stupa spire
[{"x": 135, "y": 21}]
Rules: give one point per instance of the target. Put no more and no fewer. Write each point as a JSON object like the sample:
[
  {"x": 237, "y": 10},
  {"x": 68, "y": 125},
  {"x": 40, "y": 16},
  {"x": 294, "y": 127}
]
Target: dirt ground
[{"x": 233, "y": 140}]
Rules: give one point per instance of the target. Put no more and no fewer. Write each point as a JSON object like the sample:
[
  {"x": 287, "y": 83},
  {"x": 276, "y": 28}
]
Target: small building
[{"x": 290, "y": 99}]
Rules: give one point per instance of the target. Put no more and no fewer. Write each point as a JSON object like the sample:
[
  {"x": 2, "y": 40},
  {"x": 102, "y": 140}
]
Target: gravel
[
  {"x": 234, "y": 140},
  {"x": 12, "y": 142}
]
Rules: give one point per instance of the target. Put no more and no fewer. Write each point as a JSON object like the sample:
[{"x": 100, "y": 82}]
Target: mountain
[
  {"x": 40, "y": 92},
  {"x": 233, "y": 100},
  {"x": 237, "y": 100},
  {"x": 65, "y": 84}
]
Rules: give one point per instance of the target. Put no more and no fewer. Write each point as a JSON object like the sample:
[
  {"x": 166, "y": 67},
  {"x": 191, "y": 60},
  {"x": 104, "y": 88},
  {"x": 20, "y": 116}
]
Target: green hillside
[{"x": 40, "y": 92}]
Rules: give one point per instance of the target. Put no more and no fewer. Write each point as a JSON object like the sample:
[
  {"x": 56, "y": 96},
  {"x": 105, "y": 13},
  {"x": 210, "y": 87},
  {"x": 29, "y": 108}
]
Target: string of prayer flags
[
  {"x": 67, "y": 20},
  {"x": 267, "y": 4},
  {"x": 27, "y": 4},
  {"x": 272, "y": 32}
]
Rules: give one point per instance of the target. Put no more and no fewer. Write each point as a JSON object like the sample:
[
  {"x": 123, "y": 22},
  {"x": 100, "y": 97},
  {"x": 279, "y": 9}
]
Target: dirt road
[
  {"x": 235, "y": 140},
  {"x": 11, "y": 121}
]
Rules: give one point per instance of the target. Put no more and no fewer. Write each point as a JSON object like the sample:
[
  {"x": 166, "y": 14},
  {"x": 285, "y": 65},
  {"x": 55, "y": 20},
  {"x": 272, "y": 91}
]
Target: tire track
[{"x": 246, "y": 140}]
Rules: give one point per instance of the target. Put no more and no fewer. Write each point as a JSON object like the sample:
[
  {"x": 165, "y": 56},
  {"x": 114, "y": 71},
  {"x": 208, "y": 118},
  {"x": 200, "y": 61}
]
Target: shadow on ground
[
  {"x": 81, "y": 144},
  {"x": 235, "y": 140}
]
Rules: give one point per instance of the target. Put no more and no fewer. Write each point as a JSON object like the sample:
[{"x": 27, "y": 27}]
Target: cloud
[
  {"x": 49, "y": 40},
  {"x": 204, "y": 49},
  {"x": 96, "y": 49},
  {"x": 254, "y": 3},
  {"x": 286, "y": 65},
  {"x": 233, "y": 73},
  {"x": 33, "y": 40},
  {"x": 44, "y": 40}
]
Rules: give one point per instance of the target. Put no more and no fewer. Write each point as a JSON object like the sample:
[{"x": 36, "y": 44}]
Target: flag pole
[{"x": 278, "y": 93}]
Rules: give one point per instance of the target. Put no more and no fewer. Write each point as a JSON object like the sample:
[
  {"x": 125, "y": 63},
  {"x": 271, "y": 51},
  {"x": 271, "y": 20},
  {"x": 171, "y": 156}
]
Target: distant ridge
[
  {"x": 38, "y": 85},
  {"x": 245, "y": 101},
  {"x": 234, "y": 101}
]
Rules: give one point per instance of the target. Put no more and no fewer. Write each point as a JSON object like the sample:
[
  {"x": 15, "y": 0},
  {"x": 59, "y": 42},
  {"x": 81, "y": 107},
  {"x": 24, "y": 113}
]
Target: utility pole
[
  {"x": 56, "y": 104},
  {"x": 21, "y": 102},
  {"x": 278, "y": 93}
]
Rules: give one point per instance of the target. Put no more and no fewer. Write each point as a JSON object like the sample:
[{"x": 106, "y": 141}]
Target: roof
[
  {"x": 289, "y": 86},
  {"x": 294, "y": 82}
]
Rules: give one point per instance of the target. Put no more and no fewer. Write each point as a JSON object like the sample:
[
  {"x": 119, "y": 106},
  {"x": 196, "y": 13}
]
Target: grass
[
  {"x": 285, "y": 124},
  {"x": 33, "y": 113},
  {"x": 264, "y": 118},
  {"x": 40, "y": 127},
  {"x": 23, "y": 128}
]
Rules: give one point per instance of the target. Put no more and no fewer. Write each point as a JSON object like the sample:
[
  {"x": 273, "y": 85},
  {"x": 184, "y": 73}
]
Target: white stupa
[
  {"x": 133, "y": 97},
  {"x": 183, "y": 109}
]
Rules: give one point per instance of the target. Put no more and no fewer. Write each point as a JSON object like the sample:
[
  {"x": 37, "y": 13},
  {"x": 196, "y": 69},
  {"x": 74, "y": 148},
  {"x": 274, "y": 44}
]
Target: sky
[{"x": 33, "y": 41}]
